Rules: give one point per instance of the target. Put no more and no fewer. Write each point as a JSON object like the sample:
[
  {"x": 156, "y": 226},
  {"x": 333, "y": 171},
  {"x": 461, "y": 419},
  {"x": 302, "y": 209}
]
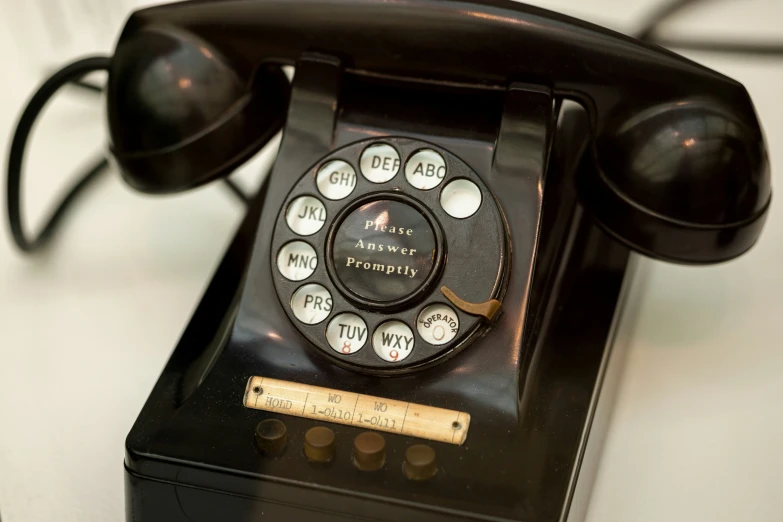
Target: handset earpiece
[
  {"x": 686, "y": 181},
  {"x": 181, "y": 115}
]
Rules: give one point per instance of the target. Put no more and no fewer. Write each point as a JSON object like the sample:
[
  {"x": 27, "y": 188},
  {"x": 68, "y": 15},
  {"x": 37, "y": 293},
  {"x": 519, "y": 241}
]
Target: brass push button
[
  {"x": 319, "y": 444},
  {"x": 420, "y": 462},
  {"x": 384, "y": 251},
  {"x": 271, "y": 436},
  {"x": 369, "y": 451}
]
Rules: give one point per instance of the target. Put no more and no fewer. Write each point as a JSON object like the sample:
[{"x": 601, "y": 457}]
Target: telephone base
[
  {"x": 566, "y": 427},
  {"x": 531, "y": 385}
]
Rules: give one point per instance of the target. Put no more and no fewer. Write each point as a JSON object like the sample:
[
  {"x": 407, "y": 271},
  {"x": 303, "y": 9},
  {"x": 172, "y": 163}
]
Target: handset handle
[{"x": 480, "y": 43}]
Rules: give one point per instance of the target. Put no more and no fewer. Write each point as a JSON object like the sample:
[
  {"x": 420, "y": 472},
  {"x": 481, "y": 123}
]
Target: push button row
[
  {"x": 392, "y": 341},
  {"x": 369, "y": 449}
]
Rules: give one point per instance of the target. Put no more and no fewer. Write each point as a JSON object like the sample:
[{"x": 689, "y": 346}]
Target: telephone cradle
[{"x": 416, "y": 317}]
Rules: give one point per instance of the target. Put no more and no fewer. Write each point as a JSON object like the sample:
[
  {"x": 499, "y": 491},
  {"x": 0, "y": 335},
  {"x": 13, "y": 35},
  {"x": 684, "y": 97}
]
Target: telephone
[{"x": 415, "y": 318}]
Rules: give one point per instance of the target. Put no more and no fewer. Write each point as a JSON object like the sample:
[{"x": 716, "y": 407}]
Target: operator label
[{"x": 438, "y": 324}]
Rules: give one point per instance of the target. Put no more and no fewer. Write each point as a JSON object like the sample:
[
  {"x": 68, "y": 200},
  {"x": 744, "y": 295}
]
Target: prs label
[{"x": 353, "y": 409}]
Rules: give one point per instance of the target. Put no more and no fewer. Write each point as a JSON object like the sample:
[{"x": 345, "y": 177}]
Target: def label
[{"x": 379, "y": 163}]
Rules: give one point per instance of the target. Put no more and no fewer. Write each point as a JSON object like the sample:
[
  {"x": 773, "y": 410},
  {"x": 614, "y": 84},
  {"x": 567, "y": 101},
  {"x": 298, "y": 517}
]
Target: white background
[{"x": 85, "y": 328}]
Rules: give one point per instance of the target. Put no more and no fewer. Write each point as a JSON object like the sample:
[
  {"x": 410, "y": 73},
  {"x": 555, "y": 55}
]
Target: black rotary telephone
[{"x": 414, "y": 320}]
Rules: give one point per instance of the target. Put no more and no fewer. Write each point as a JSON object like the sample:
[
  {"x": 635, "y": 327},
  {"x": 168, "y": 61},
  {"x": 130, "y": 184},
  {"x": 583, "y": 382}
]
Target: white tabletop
[{"x": 86, "y": 327}]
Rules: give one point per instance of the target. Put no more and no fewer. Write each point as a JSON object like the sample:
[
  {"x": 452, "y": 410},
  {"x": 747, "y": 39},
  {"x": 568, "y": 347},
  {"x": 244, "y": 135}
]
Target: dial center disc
[{"x": 384, "y": 251}]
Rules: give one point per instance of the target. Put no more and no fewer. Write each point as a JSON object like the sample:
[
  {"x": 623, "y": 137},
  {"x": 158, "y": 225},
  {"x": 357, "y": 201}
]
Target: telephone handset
[
  {"x": 445, "y": 234},
  {"x": 704, "y": 203}
]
